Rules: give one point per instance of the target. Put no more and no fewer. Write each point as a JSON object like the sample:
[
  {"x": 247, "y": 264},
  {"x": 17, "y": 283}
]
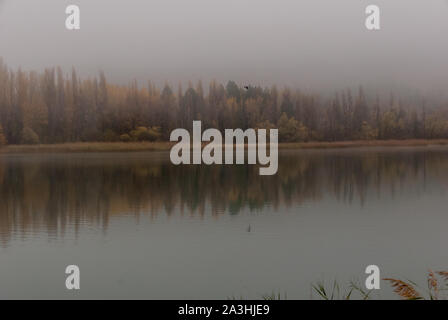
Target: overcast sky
[{"x": 300, "y": 43}]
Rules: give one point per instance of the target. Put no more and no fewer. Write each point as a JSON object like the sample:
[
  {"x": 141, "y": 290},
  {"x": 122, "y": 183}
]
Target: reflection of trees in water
[{"x": 56, "y": 192}]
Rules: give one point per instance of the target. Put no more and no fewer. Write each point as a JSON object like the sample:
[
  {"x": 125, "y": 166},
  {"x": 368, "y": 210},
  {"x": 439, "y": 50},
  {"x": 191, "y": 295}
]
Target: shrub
[
  {"x": 146, "y": 134},
  {"x": 136, "y": 133},
  {"x": 125, "y": 138},
  {"x": 154, "y": 134},
  {"x": 291, "y": 130},
  {"x": 2, "y": 137},
  {"x": 29, "y": 136}
]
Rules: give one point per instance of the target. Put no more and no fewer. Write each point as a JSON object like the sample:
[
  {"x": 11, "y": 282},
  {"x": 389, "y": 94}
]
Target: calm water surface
[{"x": 139, "y": 227}]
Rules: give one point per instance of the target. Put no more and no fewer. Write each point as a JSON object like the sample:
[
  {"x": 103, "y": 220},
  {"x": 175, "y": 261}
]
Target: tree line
[{"x": 53, "y": 107}]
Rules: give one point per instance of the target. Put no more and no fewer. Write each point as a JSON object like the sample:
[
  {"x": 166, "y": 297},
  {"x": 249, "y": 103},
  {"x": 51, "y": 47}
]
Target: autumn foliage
[{"x": 53, "y": 107}]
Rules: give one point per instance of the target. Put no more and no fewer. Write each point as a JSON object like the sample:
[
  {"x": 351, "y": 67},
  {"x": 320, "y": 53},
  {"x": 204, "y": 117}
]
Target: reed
[
  {"x": 336, "y": 292},
  {"x": 436, "y": 288},
  {"x": 404, "y": 289}
]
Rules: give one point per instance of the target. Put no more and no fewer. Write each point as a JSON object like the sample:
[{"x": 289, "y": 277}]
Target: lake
[{"x": 139, "y": 227}]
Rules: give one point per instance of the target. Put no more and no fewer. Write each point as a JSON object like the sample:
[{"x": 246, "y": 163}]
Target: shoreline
[{"x": 166, "y": 146}]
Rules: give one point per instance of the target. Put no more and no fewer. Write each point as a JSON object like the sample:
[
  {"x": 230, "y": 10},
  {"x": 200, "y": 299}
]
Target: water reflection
[{"x": 54, "y": 192}]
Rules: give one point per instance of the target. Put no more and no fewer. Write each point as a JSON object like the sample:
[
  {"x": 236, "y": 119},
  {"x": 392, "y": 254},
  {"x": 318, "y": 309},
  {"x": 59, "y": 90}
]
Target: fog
[{"x": 314, "y": 44}]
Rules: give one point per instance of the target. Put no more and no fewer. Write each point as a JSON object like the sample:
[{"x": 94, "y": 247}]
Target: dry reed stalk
[
  {"x": 403, "y": 289},
  {"x": 443, "y": 274},
  {"x": 433, "y": 284}
]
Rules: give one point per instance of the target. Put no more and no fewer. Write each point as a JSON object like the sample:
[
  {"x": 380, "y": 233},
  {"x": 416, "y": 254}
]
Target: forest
[{"x": 57, "y": 107}]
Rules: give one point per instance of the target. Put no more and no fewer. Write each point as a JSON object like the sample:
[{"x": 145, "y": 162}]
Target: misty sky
[{"x": 301, "y": 43}]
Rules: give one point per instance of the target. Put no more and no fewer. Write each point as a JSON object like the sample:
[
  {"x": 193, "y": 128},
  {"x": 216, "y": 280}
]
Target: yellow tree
[{"x": 2, "y": 137}]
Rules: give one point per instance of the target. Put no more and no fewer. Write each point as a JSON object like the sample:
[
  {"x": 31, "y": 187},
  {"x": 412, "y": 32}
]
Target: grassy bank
[
  {"x": 88, "y": 147},
  {"x": 364, "y": 143},
  {"x": 162, "y": 146}
]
